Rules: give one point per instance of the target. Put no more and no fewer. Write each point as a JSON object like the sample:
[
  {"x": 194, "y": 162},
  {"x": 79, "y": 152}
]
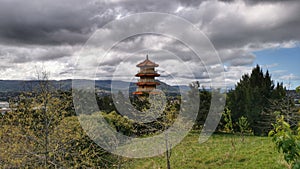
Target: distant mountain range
[{"x": 101, "y": 85}]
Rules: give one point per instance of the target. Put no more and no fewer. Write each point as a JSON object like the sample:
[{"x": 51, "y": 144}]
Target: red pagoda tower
[{"x": 147, "y": 76}]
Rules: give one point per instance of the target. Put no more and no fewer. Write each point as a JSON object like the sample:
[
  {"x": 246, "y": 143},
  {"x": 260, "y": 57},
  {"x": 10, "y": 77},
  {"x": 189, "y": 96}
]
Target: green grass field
[{"x": 217, "y": 152}]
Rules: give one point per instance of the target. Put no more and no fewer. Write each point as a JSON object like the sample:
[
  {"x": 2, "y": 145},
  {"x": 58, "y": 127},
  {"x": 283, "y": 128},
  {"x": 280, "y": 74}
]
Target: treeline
[
  {"x": 42, "y": 129},
  {"x": 256, "y": 98}
]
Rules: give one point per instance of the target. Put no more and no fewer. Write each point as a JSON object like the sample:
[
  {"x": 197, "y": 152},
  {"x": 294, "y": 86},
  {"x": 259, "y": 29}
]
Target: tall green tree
[
  {"x": 253, "y": 97},
  {"x": 204, "y": 105}
]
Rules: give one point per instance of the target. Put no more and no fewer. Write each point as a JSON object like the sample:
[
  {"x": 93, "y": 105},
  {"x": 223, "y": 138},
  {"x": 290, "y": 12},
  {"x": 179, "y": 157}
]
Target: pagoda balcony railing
[
  {"x": 143, "y": 90},
  {"x": 146, "y": 80},
  {"x": 148, "y": 72}
]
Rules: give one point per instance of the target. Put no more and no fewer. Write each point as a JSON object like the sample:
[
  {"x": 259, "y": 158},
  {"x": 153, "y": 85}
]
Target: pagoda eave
[
  {"x": 138, "y": 93},
  {"x": 147, "y": 74},
  {"x": 142, "y": 93},
  {"x": 147, "y": 83},
  {"x": 145, "y": 66}
]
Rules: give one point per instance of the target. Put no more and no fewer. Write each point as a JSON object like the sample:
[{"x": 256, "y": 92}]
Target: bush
[{"x": 287, "y": 141}]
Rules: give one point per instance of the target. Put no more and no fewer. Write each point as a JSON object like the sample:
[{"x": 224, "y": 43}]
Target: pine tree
[{"x": 253, "y": 98}]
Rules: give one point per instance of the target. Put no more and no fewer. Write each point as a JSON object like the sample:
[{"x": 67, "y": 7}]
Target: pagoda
[{"x": 147, "y": 76}]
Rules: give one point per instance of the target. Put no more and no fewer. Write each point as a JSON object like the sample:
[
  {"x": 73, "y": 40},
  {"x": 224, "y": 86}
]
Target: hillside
[{"x": 9, "y": 87}]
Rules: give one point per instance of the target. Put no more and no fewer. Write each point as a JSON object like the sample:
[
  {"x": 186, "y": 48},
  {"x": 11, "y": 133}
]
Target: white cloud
[
  {"x": 289, "y": 77},
  {"x": 54, "y": 36}
]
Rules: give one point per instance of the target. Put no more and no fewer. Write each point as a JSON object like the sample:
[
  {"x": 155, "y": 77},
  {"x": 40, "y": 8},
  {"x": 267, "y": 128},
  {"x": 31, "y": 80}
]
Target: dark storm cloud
[
  {"x": 237, "y": 24},
  {"x": 192, "y": 3},
  {"x": 65, "y": 21},
  {"x": 73, "y": 21},
  {"x": 251, "y": 2},
  {"x": 267, "y": 1},
  {"x": 134, "y": 6},
  {"x": 50, "y": 31},
  {"x": 48, "y": 22},
  {"x": 34, "y": 53},
  {"x": 237, "y": 34}
]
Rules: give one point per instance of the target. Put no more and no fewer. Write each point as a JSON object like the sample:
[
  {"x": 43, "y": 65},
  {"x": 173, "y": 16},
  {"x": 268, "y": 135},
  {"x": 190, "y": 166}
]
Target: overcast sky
[{"x": 48, "y": 34}]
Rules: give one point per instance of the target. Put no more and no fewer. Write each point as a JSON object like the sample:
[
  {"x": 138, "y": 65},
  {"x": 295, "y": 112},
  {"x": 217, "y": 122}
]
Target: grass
[{"x": 255, "y": 152}]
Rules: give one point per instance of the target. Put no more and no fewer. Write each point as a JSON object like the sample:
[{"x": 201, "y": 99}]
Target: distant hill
[
  {"x": 29, "y": 85},
  {"x": 103, "y": 85}
]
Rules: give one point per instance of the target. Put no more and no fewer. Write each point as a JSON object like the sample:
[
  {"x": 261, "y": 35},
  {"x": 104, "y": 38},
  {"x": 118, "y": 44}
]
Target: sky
[
  {"x": 284, "y": 65},
  {"x": 53, "y": 36}
]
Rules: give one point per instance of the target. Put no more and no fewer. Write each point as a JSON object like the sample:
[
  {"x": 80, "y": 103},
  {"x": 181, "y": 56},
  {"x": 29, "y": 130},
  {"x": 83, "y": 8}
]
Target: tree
[
  {"x": 287, "y": 138},
  {"x": 74, "y": 149},
  {"x": 205, "y": 100},
  {"x": 253, "y": 97},
  {"x": 41, "y": 131},
  {"x": 243, "y": 126},
  {"x": 298, "y": 89},
  {"x": 34, "y": 116},
  {"x": 163, "y": 118},
  {"x": 287, "y": 141}
]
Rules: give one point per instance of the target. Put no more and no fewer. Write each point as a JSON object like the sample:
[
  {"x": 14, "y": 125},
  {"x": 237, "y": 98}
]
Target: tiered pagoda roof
[
  {"x": 147, "y": 75},
  {"x": 147, "y": 63}
]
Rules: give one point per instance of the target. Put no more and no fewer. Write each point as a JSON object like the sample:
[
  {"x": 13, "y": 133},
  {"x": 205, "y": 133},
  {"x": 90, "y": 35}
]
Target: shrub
[{"x": 287, "y": 141}]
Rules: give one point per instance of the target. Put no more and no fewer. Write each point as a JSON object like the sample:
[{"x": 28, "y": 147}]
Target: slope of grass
[{"x": 217, "y": 152}]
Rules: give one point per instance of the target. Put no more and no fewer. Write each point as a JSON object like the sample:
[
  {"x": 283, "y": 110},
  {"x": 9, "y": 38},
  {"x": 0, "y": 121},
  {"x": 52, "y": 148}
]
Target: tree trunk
[{"x": 168, "y": 153}]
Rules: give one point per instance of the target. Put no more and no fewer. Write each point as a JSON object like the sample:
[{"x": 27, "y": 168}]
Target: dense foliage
[
  {"x": 287, "y": 141},
  {"x": 205, "y": 99},
  {"x": 41, "y": 131},
  {"x": 253, "y": 98},
  {"x": 287, "y": 137}
]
